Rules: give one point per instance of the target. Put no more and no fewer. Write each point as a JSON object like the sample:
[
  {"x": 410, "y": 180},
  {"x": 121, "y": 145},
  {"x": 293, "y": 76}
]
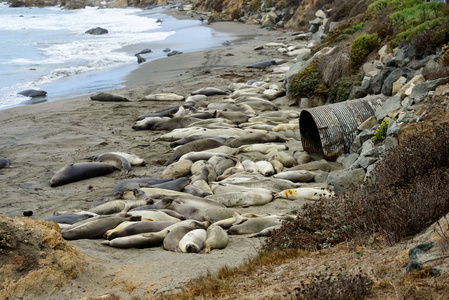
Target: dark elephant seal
[
  {"x": 115, "y": 160},
  {"x": 161, "y": 204},
  {"x": 95, "y": 229},
  {"x": 175, "y": 185},
  {"x": 254, "y": 225},
  {"x": 171, "y": 241},
  {"x": 190, "y": 212},
  {"x": 148, "y": 123},
  {"x": 166, "y": 112},
  {"x": 107, "y": 97},
  {"x": 145, "y": 51},
  {"x": 195, "y": 137},
  {"x": 140, "y": 59},
  {"x": 140, "y": 227},
  {"x": 174, "y": 52},
  {"x": 79, "y": 171},
  {"x": 144, "y": 240},
  {"x": 4, "y": 162},
  {"x": 96, "y": 31},
  {"x": 194, "y": 146},
  {"x": 254, "y": 138},
  {"x": 209, "y": 91},
  {"x": 262, "y": 64},
  {"x": 68, "y": 218},
  {"x": 32, "y": 93}
]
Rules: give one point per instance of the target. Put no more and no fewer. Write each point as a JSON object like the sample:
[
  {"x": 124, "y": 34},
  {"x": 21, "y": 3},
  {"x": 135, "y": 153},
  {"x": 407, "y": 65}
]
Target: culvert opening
[{"x": 310, "y": 136}]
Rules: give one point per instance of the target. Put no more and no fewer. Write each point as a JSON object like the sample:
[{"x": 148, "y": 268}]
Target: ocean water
[{"x": 47, "y": 48}]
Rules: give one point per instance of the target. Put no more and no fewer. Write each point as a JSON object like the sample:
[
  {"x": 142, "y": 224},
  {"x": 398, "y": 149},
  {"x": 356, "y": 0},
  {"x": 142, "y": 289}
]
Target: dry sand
[{"x": 40, "y": 139}]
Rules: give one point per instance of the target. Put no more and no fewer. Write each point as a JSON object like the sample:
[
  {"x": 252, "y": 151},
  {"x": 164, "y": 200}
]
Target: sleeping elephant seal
[
  {"x": 254, "y": 138},
  {"x": 79, "y": 171},
  {"x": 144, "y": 240},
  {"x": 171, "y": 241},
  {"x": 217, "y": 238},
  {"x": 193, "y": 241},
  {"x": 193, "y": 146},
  {"x": 115, "y": 160},
  {"x": 137, "y": 228},
  {"x": 107, "y": 97},
  {"x": 32, "y": 93},
  {"x": 254, "y": 225}
]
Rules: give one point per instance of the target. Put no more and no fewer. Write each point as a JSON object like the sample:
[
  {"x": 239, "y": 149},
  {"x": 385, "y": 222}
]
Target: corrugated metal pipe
[{"x": 331, "y": 129}]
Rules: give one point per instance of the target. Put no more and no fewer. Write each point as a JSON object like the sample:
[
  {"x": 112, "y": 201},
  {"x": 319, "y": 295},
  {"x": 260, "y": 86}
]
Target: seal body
[
  {"x": 4, "y": 162},
  {"x": 115, "y": 160},
  {"x": 75, "y": 172},
  {"x": 193, "y": 241},
  {"x": 217, "y": 238},
  {"x": 107, "y": 97},
  {"x": 171, "y": 241},
  {"x": 144, "y": 240}
]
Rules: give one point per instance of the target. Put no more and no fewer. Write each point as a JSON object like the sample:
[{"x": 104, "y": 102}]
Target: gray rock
[
  {"x": 313, "y": 28},
  {"x": 321, "y": 177},
  {"x": 393, "y": 128},
  {"x": 419, "y": 254},
  {"x": 304, "y": 36},
  {"x": 390, "y": 105},
  {"x": 369, "y": 170},
  {"x": 367, "y": 147},
  {"x": 356, "y": 145},
  {"x": 420, "y": 90},
  {"x": 365, "y": 161},
  {"x": 341, "y": 180},
  {"x": 348, "y": 160},
  {"x": 96, "y": 31},
  {"x": 368, "y": 123},
  {"x": 387, "y": 86},
  {"x": 377, "y": 82},
  {"x": 390, "y": 142}
]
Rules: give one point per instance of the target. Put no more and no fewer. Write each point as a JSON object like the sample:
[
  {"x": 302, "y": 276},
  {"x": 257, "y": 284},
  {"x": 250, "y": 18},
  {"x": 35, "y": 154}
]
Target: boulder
[
  {"x": 390, "y": 105},
  {"x": 377, "y": 82},
  {"x": 387, "y": 86},
  {"x": 341, "y": 180}
]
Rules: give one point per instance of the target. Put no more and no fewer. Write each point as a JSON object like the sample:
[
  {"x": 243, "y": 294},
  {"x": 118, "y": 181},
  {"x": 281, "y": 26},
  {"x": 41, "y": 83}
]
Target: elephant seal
[
  {"x": 193, "y": 241},
  {"x": 160, "y": 204},
  {"x": 117, "y": 206},
  {"x": 171, "y": 241},
  {"x": 107, "y": 97},
  {"x": 305, "y": 193},
  {"x": 148, "y": 123},
  {"x": 266, "y": 232},
  {"x": 190, "y": 212},
  {"x": 194, "y": 146},
  {"x": 241, "y": 198},
  {"x": 115, "y": 160},
  {"x": 154, "y": 215},
  {"x": 68, "y": 218},
  {"x": 209, "y": 91},
  {"x": 262, "y": 64},
  {"x": 254, "y": 138},
  {"x": 32, "y": 93},
  {"x": 175, "y": 185},
  {"x": 145, "y": 51},
  {"x": 95, "y": 229},
  {"x": 233, "y": 116},
  {"x": 133, "y": 159},
  {"x": 265, "y": 168},
  {"x": 195, "y": 191},
  {"x": 254, "y": 225},
  {"x": 296, "y": 176},
  {"x": 165, "y": 112},
  {"x": 140, "y": 59},
  {"x": 322, "y": 165},
  {"x": 177, "y": 169},
  {"x": 144, "y": 240},
  {"x": 195, "y": 137},
  {"x": 216, "y": 238},
  {"x": 171, "y": 124},
  {"x": 79, "y": 171},
  {"x": 139, "y": 227},
  {"x": 4, "y": 162}
]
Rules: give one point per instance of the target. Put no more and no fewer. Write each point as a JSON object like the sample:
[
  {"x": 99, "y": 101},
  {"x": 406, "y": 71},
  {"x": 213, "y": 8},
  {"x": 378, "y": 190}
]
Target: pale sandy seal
[
  {"x": 305, "y": 193},
  {"x": 193, "y": 241},
  {"x": 322, "y": 165},
  {"x": 144, "y": 240},
  {"x": 171, "y": 241},
  {"x": 254, "y": 225},
  {"x": 79, "y": 171},
  {"x": 115, "y": 160},
  {"x": 296, "y": 176},
  {"x": 163, "y": 97},
  {"x": 216, "y": 238},
  {"x": 154, "y": 215},
  {"x": 177, "y": 169},
  {"x": 195, "y": 191},
  {"x": 164, "y": 112},
  {"x": 94, "y": 229},
  {"x": 241, "y": 198},
  {"x": 265, "y": 167},
  {"x": 107, "y": 97},
  {"x": 190, "y": 212},
  {"x": 263, "y": 148},
  {"x": 148, "y": 123},
  {"x": 192, "y": 138},
  {"x": 139, "y": 227},
  {"x": 234, "y": 116},
  {"x": 209, "y": 91}
]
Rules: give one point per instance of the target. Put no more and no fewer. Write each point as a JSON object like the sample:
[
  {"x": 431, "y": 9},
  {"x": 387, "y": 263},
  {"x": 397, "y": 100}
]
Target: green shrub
[
  {"x": 362, "y": 47},
  {"x": 307, "y": 83},
  {"x": 341, "y": 89},
  {"x": 355, "y": 29},
  {"x": 381, "y": 131}
]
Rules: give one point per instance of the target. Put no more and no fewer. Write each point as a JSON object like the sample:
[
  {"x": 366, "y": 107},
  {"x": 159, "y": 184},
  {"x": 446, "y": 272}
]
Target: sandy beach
[{"x": 41, "y": 139}]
